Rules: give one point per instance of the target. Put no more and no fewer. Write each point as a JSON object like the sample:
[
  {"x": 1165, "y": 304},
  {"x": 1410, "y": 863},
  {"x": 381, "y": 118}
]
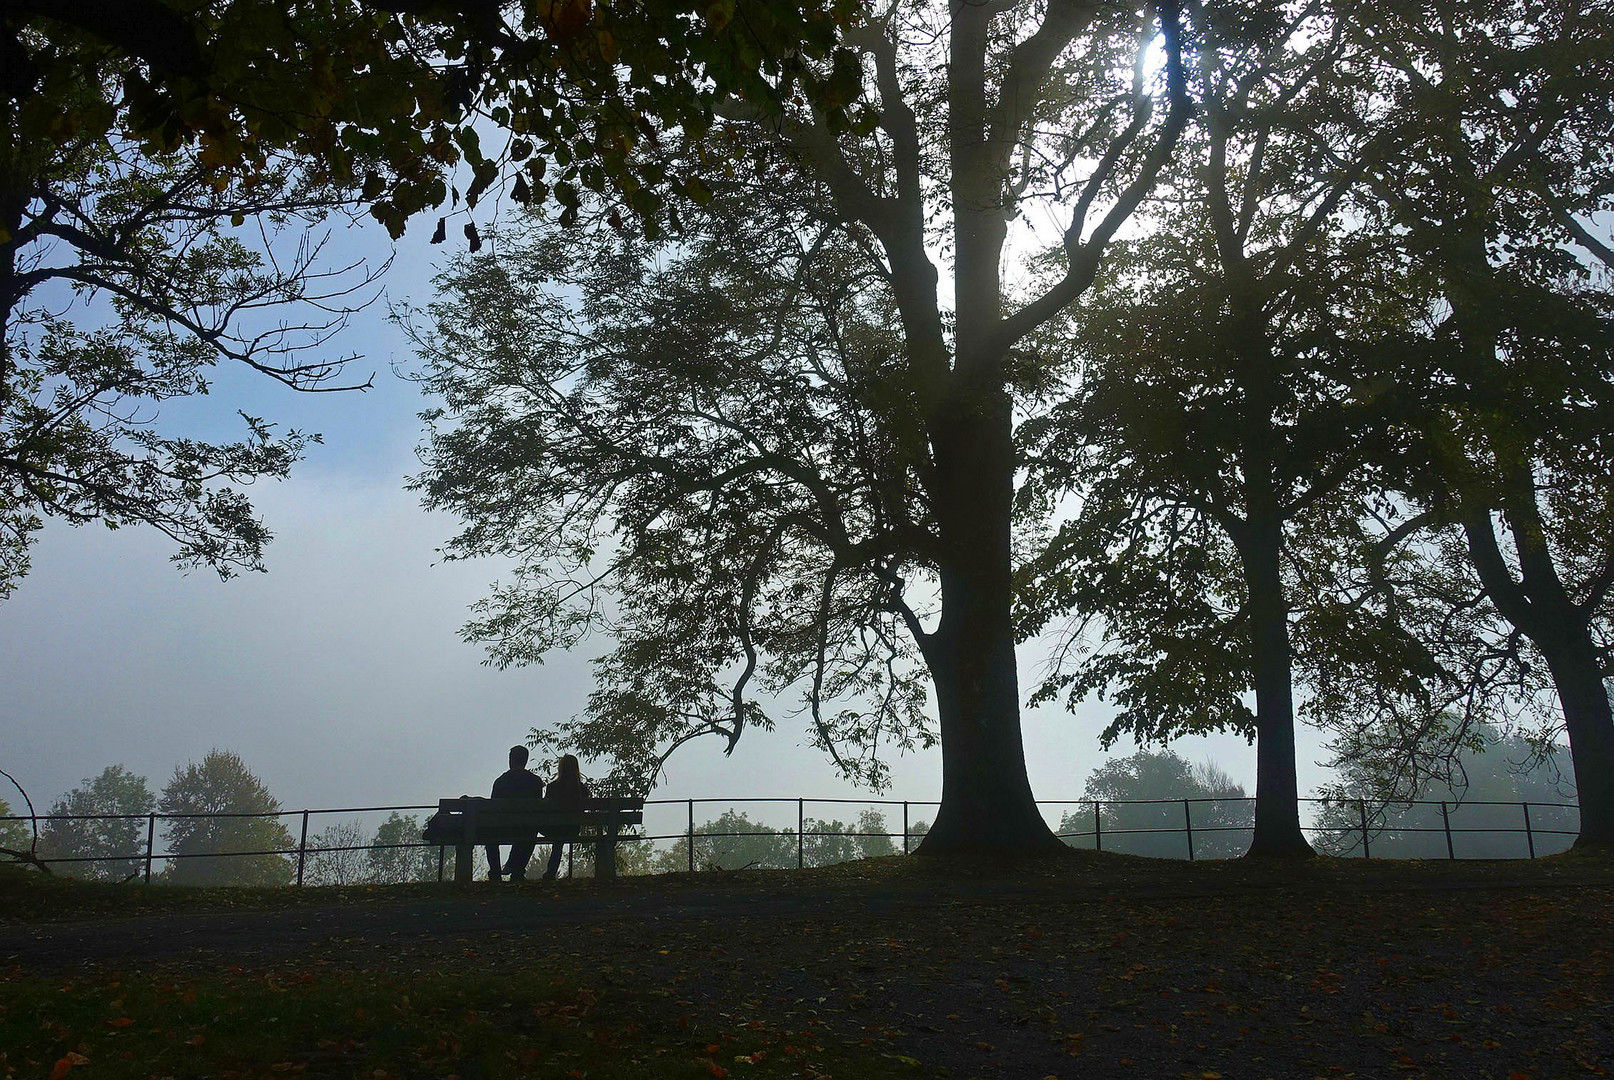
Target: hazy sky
[{"x": 339, "y": 675}]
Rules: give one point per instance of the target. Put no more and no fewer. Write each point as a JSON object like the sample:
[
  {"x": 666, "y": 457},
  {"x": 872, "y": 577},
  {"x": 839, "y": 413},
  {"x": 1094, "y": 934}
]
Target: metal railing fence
[{"x": 1344, "y": 828}]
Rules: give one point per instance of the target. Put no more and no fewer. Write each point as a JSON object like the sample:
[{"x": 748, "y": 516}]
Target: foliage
[
  {"x": 239, "y": 82},
  {"x": 707, "y": 421},
  {"x": 153, "y": 157},
  {"x": 1509, "y": 435},
  {"x": 387, "y": 97},
  {"x": 117, "y": 843},
  {"x": 1326, "y": 344},
  {"x": 327, "y": 863},
  {"x": 758, "y": 456},
  {"x": 823, "y": 843},
  {"x": 1224, "y": 359},
  {"x": 866, "y": 837},
  {"x": 174, "y": 270},
  {"x": 1489, "y": 768},
  {"x": 1142, "y": 808},
  {"x": 218, "y": 786},
  {"x": 633, "y": 856},
  {"x": 731, "y": 841},
  {"x": 14, "y": 835},
  {"x": 388, "y": 864}
]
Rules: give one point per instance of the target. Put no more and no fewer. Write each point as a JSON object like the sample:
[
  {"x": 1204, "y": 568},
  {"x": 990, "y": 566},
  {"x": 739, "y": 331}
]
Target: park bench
[{"x": 469, "y": 822}]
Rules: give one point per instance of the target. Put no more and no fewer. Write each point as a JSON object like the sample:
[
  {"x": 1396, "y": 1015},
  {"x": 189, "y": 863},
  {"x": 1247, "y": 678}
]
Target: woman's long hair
[{"x": 570, "y": 771}]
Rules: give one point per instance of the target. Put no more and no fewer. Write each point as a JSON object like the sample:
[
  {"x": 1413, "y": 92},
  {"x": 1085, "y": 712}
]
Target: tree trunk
[
  {"x": 1277, "y": 787},
  {"x": 986, "y": 800},
  {"x": 1589, "y": 721},
  {"x": 1539, "y": 606}
]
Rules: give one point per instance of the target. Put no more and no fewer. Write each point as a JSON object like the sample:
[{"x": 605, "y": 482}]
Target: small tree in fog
[
  {"x": 338, "y": 855},
  {"x": 756, "y": 847},
  {"x": 118, "y": 843},
  {"x": 14, "y": 835},
  {"x": 837, "y": 842},
  {"x": 1141, "y": 803},
  {"x": 221, "y": 784},
  {"x": 1482, "y": 786},
  {"x": 390, "y": 864}
]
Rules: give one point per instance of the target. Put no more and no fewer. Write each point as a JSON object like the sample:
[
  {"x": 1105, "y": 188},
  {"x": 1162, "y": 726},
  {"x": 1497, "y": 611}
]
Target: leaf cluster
[{"x": 707, "y": 450}]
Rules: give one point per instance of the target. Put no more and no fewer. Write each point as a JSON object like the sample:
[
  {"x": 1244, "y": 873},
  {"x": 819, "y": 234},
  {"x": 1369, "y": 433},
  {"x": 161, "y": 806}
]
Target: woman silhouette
[{"x": 566, "y": 793}]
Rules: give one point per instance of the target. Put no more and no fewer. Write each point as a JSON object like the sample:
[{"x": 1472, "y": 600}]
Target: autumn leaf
[{"x": 67, "y": 1063}]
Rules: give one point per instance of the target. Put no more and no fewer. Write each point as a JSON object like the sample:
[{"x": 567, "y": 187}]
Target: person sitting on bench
[
  {"x": 566, "y": 792},
  {"x": 517, "y": 783}
]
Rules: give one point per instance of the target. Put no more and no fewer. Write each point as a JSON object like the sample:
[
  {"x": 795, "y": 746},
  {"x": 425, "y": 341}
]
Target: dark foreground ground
[{"x": 1093, "y": 966}]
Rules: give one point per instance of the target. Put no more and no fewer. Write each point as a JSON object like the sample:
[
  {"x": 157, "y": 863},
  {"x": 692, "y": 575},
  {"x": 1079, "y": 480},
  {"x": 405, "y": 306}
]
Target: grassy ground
[{"x": 1091, "y": 965}]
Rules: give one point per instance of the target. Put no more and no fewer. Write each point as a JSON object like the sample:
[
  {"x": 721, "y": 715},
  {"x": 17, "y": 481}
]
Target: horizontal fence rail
[{"x": 1163, "y": 827}]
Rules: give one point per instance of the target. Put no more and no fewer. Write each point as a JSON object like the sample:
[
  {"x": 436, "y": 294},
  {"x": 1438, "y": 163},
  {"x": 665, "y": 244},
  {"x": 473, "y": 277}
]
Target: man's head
[{"x": 518, "y": 757}]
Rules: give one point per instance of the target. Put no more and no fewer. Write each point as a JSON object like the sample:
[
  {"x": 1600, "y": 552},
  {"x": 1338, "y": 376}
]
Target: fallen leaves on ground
[{"x": 1027, "y": 975}]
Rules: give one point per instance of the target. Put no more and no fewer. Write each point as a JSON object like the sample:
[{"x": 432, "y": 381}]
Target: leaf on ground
[{"x": 66, "y": 1064}]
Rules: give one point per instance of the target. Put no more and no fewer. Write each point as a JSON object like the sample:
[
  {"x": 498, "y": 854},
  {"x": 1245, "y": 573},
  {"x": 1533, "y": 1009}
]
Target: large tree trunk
[
  {"x": 1539, "y": 606},
  {"x": 986, "y": 800},
  {"x": 1277, "y": 786},
  {"x": 1572, "y": 658}
]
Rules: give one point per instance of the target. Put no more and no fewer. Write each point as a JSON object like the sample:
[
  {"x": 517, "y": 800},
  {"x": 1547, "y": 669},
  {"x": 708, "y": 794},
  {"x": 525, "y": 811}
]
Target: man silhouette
[{"x": 517, "y": 783}]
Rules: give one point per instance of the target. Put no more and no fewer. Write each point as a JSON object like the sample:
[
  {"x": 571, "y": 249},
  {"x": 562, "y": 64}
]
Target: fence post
[
  {"x": 1529, "y": 837},
  {"x": 442, "y": 857},
  {"x": 1098, "y": 828},
  {"x": 905, "y": 826},
  {"x": 1361, "y": 806},
  {"x": 692, "y": 836},
  {"x": 1188, "y": 826},
  {"x": 801, "y": 823},
  {"x": 570, "y": 850},
  {"x": 302, "y": 850},
  {"x": 1445, "y": 822},
  {"x": 151, "y": 833}
]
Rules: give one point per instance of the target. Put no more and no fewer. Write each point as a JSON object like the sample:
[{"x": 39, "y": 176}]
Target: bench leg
[
  {"x": 605, "y": 856},
  {"x": 462, "y": 864}
]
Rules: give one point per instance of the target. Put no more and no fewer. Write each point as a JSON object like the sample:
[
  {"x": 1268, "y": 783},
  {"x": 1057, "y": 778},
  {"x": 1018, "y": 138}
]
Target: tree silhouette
[
  {"x": 713, "y": 447},
  {"x": 175, "y": 263},
  {"x": 15, "y": 836},
  {"x": 324, "y": 865},
  {"x": 1218, "y": 419},
  {"x": 220, "y": 807},
  {"x": 1143, "y": 814},
  {"x": 1493, "y": 177},
  {"x": 117, "y": 841},
  {"x": 399, "y": 864},
  {"x": 731, "y": 841},
  {"x": 1489, "y": 768}
]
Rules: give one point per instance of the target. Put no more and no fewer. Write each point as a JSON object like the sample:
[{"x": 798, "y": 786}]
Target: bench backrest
[
  {"x": 485, "y": 815},
  {"x": 482, "y": 806}
]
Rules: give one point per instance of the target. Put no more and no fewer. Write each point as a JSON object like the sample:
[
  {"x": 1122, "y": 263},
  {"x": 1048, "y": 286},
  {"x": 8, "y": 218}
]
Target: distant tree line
[
  {"x": 207, "y": 811},
  {"x": 1135, "y": 803},
  {"x": 1138, "y": 803}
]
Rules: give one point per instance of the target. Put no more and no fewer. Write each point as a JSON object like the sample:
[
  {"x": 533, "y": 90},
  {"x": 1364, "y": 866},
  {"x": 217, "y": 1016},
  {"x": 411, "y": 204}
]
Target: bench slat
[{"x": 464, "y": 802}]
